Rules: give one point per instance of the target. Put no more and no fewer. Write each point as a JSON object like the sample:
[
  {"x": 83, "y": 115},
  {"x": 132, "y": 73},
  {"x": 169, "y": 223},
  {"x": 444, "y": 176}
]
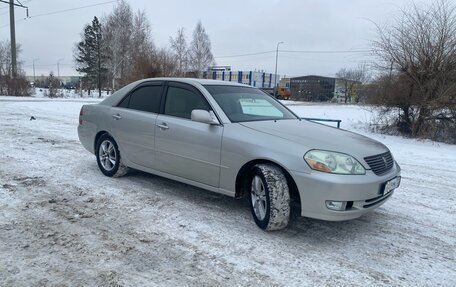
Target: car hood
[{"x": 318, "y": 136}]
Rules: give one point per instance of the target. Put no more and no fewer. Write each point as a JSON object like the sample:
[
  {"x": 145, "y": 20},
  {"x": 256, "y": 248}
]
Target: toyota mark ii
[{"x": 236, "y": 140}]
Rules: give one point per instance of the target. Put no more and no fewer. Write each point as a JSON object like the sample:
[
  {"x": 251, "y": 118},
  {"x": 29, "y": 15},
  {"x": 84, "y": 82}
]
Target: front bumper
[{"x": 361, "y": 193}]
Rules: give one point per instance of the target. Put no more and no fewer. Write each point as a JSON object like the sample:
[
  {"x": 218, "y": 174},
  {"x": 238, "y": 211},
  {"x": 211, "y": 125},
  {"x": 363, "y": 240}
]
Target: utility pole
[
  {"x": 13, "y": 34},
  {"x": 275, "y": 73},
  {"x": 13, "y": 39}
]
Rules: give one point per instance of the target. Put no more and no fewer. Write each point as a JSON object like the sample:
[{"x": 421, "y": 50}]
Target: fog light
[{"x": 336, "y": 205}]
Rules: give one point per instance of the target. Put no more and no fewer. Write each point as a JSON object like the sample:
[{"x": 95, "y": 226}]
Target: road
[{"x": 62, "y": 223}]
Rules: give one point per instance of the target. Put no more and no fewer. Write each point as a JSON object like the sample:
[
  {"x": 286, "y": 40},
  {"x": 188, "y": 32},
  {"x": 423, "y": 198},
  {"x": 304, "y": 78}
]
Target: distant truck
[{"x": 281, "y": 93}]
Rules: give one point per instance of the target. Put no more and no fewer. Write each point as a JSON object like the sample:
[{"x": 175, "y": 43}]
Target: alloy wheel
[
  {"x": 258, "y": 197},
  {"x": 107, "y": 154}
]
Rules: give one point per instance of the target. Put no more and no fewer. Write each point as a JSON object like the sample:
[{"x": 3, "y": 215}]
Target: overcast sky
[{"x": 235, "y": 27}]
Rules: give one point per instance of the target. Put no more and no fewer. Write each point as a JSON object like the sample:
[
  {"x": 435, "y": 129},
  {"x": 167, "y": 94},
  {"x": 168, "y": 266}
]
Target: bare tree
[
  {"x": 142, "y": 49},
  {"x": 117, "y": 32},
  {"x": 420, "y": 49},
  {"x": 141, "y": 37},
  {"x": 14, "y": 86},
  {"x": 352, "y": 79},
  {"x": 165, "y": 63},
  {"x": 128, "y": 37},
  {"x": 5, "y": 64},
  {"x": 179, "y": 46},
  {"x": 5, "y": 58},
  {"x": 200, "y": 53}
]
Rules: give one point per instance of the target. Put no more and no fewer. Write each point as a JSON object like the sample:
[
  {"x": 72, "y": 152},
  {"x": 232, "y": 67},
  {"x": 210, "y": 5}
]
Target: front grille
[{"x": 381, "y": 163}]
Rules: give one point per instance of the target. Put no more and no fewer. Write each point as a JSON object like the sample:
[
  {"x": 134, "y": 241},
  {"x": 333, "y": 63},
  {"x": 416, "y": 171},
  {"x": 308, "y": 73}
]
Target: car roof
[
  {"x": 195, "y": 80},
  {"x": 118, "y": 95}
]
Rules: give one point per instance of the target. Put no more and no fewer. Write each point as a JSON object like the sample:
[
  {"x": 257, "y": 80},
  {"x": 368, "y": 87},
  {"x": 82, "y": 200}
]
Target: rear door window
[{"x": 145, "y": 98}]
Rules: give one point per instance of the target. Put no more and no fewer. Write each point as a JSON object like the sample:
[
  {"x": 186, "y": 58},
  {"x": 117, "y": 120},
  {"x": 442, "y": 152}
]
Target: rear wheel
[
  {"x": 108, "y": 157},
  {"x": 269, "y": 197}
]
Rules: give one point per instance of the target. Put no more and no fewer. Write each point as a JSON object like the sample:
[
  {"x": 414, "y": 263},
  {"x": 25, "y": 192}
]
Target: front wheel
[
  {"x": 269, "y": 197},
  {"x": 108, "y": 157}
]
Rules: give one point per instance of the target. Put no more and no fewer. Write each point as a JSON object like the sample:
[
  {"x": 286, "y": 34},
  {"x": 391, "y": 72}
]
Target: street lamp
[
  {"x": 275, "y": 73},
  {"x": 34, "y": 70},
  {"x": 58, "y": 67}
]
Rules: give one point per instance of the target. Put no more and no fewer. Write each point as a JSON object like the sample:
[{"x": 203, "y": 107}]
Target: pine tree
[{"x": 91, "y": 55}]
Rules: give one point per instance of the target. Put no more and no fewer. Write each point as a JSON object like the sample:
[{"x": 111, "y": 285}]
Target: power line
[
  {"x": 326, "y": 51},
  {"x": 244, "y": 55},
  {"x": 72, "y": 9},
  {"x": 12, "y": 3},
  {"x": 46, "y": 65},
  {"x": 299, "y": 51},
  {"x": 5, "y": 7},
  {"x": 63, "y": 11}
]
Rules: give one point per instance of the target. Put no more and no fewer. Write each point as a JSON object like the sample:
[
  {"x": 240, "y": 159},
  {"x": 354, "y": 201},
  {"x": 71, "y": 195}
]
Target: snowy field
[{"x": 62, "y": 223}]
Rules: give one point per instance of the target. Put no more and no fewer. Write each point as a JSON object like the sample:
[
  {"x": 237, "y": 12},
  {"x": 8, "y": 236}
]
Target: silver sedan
[{"x": 236, "y": 140}]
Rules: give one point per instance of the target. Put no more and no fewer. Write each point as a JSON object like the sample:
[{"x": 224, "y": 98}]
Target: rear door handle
[
  {"x": 163, "y": 126},
  {"x": 116, "y": 116}
]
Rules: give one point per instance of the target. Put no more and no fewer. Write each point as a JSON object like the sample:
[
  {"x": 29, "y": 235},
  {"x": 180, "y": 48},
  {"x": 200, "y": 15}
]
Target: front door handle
[
  {"x": 116, "y": 116},
  {"x": 163, "y": 126}
]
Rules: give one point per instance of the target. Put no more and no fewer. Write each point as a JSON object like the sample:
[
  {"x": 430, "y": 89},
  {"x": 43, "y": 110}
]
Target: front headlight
[{"x": 333, "y": 162}]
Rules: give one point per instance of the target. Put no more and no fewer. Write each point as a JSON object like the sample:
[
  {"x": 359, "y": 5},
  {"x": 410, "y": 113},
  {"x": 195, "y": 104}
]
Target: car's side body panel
[
  {"x": 181, "y": 179},
  {"x": 134, "y": 131},
  {"x": 189, "y": 149},
  {"x": 95, "y": 119}
]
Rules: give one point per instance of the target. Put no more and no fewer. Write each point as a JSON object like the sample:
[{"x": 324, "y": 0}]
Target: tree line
[{"x": 119, "y": 49}]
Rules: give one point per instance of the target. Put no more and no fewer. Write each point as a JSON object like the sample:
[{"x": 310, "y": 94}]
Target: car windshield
[{"x": 244, "y": 104}]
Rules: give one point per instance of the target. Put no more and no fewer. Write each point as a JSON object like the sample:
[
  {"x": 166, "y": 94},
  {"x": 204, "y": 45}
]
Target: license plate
[{"x": 392, "y": 185}]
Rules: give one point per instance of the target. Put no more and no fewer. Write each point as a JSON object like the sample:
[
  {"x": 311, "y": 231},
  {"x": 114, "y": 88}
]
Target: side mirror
[{"x": 203, "y": 116}]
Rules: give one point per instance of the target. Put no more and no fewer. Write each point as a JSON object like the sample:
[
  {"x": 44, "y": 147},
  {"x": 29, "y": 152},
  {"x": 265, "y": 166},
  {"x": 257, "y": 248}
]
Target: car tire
[
  {"x": 108, "y": 157},
  {"x": 269, "y": 197}
]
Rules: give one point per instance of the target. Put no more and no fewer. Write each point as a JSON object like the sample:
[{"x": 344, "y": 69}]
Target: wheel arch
[
  {"x": 243, "y": 173},
  {"x": 97, "y": 136}
]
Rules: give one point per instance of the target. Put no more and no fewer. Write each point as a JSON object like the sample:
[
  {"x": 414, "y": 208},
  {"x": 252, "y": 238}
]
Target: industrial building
[
  {"x": 322, "y": 89},
  {"x": 312, "y": 88}
]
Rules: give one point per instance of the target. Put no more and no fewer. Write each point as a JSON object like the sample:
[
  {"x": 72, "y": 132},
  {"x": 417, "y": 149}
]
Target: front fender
[{"x": 241, "y": 145}]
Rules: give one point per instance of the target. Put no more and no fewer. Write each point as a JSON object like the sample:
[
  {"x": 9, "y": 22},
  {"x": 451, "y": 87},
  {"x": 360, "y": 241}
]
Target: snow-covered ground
[
  {"x": 68, "y": 93},
  {"x": 62, "y": 223}
]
